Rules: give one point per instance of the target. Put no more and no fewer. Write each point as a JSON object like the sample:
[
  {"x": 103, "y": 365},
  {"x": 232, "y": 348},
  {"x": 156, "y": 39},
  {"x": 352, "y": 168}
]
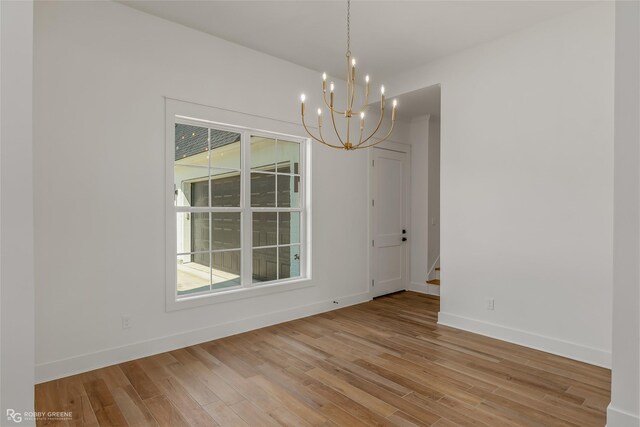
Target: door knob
[{"x": 404, "y": 239}]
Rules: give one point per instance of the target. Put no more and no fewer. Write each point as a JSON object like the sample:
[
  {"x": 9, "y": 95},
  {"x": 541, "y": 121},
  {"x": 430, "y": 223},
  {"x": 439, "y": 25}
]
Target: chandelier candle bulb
[
  {"x": 366, "y": 87},
  {"x": 346, "y": 142}
]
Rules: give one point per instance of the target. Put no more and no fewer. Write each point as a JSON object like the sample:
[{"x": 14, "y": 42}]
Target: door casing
[{"x": 403, "y": 148}]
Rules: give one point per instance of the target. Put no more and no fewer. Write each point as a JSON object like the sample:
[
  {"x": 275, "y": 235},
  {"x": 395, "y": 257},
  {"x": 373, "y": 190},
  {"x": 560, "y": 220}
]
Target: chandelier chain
[{"x": 348, "y": 27}]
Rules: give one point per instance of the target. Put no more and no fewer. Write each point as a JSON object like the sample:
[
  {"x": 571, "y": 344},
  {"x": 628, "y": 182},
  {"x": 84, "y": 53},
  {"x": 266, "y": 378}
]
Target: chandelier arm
[
  {"x": 376, "y": 129},
  {"x": 324, "y": 95},
  {"x": 320, "y": 131},
  {"x": 366, "y": 102},
  {"x": 321, "y": 139},
  {"x": 333, "y": 120},
  {"x": 393, "y": 123}
]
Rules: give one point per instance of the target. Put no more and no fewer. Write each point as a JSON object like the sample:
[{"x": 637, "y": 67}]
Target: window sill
[{"x": 174, "y": 304}]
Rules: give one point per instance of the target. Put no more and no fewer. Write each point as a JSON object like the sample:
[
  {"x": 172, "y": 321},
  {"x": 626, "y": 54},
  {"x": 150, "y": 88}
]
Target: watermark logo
[
  {"x": 18, "y": 417},
  {"x": 14, "y": 416}
]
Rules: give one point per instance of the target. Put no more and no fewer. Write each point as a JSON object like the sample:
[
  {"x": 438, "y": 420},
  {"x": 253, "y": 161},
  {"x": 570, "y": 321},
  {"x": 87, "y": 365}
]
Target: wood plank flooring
[{"x": 385, "y": 362}]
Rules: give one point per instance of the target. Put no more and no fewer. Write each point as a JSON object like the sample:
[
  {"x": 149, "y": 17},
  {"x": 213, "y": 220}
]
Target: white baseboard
[
  {"x": 547, "y": 344},
  {"x": 424, "y": 288},
  {"x": 619, "y": 418},
  {"x": 111, "y": 356}
]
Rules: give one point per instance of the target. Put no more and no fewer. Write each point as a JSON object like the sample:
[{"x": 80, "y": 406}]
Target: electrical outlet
[
  {"x": 490, "y": 303},
  {"x": 126, "y": 322}
]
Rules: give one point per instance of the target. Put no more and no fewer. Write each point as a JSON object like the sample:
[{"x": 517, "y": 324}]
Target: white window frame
[{"x": 197, "y": 115}]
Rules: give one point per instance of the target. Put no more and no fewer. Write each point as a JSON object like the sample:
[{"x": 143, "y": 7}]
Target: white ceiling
[
  {"x": 417, "y": 103},
  {"x": 386, "y": 36}
]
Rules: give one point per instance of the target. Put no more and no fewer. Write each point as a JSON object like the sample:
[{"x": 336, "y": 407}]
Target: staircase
[
  {"x": 436, "y": 280},
  {"x": 432, "y": 284}
]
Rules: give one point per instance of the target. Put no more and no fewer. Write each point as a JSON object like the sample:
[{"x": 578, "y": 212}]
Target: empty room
[{"x": 320, "y": 213}]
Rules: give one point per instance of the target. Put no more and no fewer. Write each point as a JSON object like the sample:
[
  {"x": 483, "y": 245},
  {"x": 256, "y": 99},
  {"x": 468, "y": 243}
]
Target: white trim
[
  {"x": 87, "y": 362},
  {"x": 619, "y": 418},
  {"x": 424, "y": 288},
  {"x": 236, "y": 293},
  {"x": 246, "y": 125},
  {"x": 547, "y": 344},
  {"x": 402, "y": 148}
]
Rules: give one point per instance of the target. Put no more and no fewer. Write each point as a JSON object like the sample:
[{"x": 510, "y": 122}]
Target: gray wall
[
  {"x": 625, "y": 395},
  {"x": 434, "y": 190},
  {"x": 16, "y": 216}
]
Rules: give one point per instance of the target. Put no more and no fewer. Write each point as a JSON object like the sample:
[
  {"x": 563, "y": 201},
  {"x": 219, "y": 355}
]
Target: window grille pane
[
  {"x": 263, "y": 154},
  {"x": 225, "y": 149},
  {"x": 200, "y": 231},
  {"x": 225, "y": 270},
  {"x": 191, "y": 186},
  {"x": 265, "y": 229},
  {"x": 226, "y": 230},
  {"x": 192, "y": 145},
  {"x": 288, "y": 157},
  {"x": 193, "y": 273},
  {"x": 192, "y": 232},
  {"x": 265, "y": 265},
  {"x": 289, "y": 227},
  {"x": 289, "y": 259},
  {"x": 225, "y": 188},
  {"x": 263, "y": 190},
  {"x": 288, "y": 191}
]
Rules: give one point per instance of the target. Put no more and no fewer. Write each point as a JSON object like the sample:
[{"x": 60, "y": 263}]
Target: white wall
[
  {"x": 419, "y": 238},
  {"x": 424, "y": 137},
  {"x": 625, "y": 388},
  {"x": 16, "y": 212},
  {"x": 527, "y": 184},
  {"x": 434, "y": 191},
  {"x": 101, "y": 71}
]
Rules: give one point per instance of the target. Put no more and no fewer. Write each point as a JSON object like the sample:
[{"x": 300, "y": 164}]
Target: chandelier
[{"x": 346, "y": 143}]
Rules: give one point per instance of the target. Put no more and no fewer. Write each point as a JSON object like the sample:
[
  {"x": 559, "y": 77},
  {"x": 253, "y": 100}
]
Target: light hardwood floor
[{"x": 385, "y": 362}]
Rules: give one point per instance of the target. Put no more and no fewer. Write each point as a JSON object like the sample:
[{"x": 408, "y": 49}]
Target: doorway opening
[{"x": 409, "y": 260}]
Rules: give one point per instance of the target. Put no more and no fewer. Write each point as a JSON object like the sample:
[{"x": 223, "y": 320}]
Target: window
[{"x": 239, "y": 206}]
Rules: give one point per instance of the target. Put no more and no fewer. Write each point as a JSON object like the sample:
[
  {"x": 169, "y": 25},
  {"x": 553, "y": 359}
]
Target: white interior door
[{"x": 389, "y": 257}]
